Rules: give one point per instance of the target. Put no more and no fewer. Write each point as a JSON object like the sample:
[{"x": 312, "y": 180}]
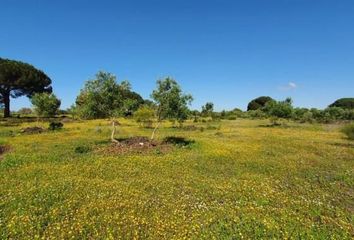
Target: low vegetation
[
  {"x": 236, "y": 180},
  {"x": 348, "y": 130}
]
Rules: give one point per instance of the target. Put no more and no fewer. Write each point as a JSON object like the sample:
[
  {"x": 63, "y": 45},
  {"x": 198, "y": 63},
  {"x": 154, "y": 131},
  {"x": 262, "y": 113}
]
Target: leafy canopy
[
  {"x": 171, "y": 102},
  {"x": 258, "y": 103},
  {"x": 280, "y": 109},
  {"x": 208, "y": 109},
  {"x": 45, "y": 104},
  {"x": 19, "y": 79},
  {"x": 346, "y": 103},
  {"x": 104, "y": 97}
]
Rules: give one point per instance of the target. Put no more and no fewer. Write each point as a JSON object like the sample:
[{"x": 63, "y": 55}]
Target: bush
[
  {"x": 349, "y": 131},
  {"x": 25, "y": 111},
  {"x": 82, "y": 149},
  {"x": 55, "y": 126},
  {"x": 145, "y": 116},
  {"x": 45, "y": 104}
]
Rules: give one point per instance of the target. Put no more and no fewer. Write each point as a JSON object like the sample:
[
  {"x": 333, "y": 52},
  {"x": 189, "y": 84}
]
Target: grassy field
[{"x": 238, "y": 180}]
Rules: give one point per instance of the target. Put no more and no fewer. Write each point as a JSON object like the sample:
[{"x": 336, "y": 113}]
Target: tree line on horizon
[{"x": 104, "y": 97}]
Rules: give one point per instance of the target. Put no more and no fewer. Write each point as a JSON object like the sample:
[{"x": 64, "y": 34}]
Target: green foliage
[
  {"x": 346, "y": 103},
  {"x": 55, "y": 126},
  {"x": 25, "y": 111},
  {"x": 208, "y": 109},
  {"x": 45, "y": 104},
  {"x": 19, "y": 79},
  {"x": 256, "y": 114},
  {"x": 103, "y": 97},
  {"x": 144, "y": 116},
  {"x": 171, "y": 102},
  {"x": 82, "y": 149},
  {"x": 279, "y": 109},
  {"x": 348, "y": 130},
  {"x": 259, "y": 103}
]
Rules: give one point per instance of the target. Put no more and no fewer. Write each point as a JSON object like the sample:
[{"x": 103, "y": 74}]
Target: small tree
[
  {"x": 144, "y": 116},
  {"x": 208, "y": 109},
  {"x": 103, "y": 97},
  {"x": 45, "y": 104},
  {"x": 171, "y": 102}
]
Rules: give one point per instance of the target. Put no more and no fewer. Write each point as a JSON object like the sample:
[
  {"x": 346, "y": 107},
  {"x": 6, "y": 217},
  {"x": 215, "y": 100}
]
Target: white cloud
[
  {"x": 289, "y": 86},
  {"x": 292, "y": 85}
]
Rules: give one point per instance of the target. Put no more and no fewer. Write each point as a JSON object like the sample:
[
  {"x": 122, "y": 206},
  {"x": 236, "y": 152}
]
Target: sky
[{"x": 224, "y": 51}]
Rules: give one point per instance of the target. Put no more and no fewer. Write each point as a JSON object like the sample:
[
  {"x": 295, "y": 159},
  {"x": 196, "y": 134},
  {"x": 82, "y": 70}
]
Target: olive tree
[
  {"x": 104, "y": 97},
  {"x": 171, "y": 102}
]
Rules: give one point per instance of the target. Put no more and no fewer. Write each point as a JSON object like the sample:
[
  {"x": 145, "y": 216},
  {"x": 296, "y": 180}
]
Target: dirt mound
[
  {"x": 139, "y": 141},
  {"x": 135, "y": 145},
  {"x": 32, "y": 130}
]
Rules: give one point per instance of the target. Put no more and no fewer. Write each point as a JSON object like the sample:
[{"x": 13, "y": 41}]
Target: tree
[
  {"x": 19, "y": 79},
  {"x": 103, "y": 97},
  {"x": 346, "y": 103},
  {"x": 208, "y": 109},
  {"x": 171, "y": 102},
  {"x": 45, "y": 104},
  {"x": 258, "y": 103}
]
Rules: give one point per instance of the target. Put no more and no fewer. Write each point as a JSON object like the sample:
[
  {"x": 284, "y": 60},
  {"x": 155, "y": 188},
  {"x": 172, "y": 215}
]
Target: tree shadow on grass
[{"x": 178, "y": 141}]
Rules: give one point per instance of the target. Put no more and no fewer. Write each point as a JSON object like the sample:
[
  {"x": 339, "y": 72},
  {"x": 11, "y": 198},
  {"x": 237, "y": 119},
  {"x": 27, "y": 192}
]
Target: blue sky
[{"x": 227, "y": 52}]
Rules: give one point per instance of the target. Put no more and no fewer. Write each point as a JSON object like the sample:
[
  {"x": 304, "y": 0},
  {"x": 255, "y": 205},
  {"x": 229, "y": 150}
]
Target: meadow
[{"x": 238, "y": 179}]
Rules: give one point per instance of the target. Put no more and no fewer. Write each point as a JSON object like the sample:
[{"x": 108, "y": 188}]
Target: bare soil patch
[
  {"x": 3, "y": 150},
  {"x": 143, "y": 145},
  {"x": 134, "y": 145}
]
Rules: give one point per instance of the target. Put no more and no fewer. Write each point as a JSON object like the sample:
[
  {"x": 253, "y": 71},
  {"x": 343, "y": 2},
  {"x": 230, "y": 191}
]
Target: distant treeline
[{"x": 104, "y": 97}]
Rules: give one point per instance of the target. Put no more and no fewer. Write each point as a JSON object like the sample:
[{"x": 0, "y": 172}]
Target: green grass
[{"x": 237, "y": 180}]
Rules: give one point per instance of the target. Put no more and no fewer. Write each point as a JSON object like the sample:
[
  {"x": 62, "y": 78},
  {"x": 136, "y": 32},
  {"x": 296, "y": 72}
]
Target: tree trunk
[
  {"x": 153, "y": 132},
  {"x": 113, "y": 132},
  {"x": 6, "y": 98}
]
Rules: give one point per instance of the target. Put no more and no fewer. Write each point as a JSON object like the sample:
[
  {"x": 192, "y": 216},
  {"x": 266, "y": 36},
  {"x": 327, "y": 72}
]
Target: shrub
[
  {"x": 82, "y": 149},
  {"x": 45, "y": 104},
  {"x": 25, "y": 111},
  {"x": 349, "y": 131},
  {"x": 145, "y": 116},
  {"x": 55, "y": 126}
]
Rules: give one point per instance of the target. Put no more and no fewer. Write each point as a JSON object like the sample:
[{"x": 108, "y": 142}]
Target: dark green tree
[
  {"x": 20, "y": 79},
  {"x": 258, "y": 103},
  {"x": 346, "y": 103}
]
